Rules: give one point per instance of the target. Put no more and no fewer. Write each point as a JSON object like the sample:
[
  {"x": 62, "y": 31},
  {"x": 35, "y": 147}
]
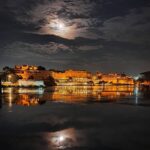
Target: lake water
[{"x": 75, "y": 117}]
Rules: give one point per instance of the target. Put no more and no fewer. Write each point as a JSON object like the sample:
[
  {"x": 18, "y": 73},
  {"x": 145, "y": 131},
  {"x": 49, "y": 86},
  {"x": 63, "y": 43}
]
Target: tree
[
  {"x": 123, "y": 74},
  {"x": 102, "y": 82},
  {"x": 70, "y": 79},
  {"x": 41, "y": 68},
  {"x": 0, "y": 93},
  {"x": 31, "y": 77},
  {"x": 0, "y": 82},
  {"x": 50, "y": 81},
  {"x": 12, "y": 77},
  {"x": 90, "y": 83},
  {"x": 1, "y": 75},
  {"x": 7, "y": 69}
]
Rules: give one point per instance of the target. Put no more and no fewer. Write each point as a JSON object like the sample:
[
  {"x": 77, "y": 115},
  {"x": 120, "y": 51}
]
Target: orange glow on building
[
  {"x": 71, "y": 74},
  {"x": 72, "y": 77},
  {"x": 25, "y": 67},
  {"x": 117, "y": 79}
]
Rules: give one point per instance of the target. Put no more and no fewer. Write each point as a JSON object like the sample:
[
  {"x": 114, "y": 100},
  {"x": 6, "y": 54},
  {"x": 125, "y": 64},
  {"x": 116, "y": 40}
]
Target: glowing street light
[{"x": 9, "y": 77}]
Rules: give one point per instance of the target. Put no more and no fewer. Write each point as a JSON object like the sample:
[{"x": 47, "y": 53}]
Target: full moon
[
  {"x": 58, "y": 25},
  {"x": 61, "y": 138},
  {"x": 60, "y": 28}
]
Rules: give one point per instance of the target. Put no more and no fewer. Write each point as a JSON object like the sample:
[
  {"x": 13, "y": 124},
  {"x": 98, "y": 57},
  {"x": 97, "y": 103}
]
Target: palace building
[{"x": 70, "y": 77}]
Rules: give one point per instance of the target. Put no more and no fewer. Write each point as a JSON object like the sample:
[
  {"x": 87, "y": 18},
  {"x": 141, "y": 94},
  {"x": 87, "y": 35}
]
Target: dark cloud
[
  {"x": 111, "y": 35},
  {"x": 133, "y": 27}
]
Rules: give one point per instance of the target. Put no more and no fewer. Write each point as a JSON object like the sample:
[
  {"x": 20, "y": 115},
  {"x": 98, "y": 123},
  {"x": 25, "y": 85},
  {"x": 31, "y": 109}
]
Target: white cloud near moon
[{"x": 72, "y": 16}]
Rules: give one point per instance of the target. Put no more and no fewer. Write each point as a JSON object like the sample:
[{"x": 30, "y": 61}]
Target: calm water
[{"x": 75, "y": 117}]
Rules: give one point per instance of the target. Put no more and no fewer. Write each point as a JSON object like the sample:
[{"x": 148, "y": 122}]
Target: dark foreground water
[{"x": 75, "y": 118}]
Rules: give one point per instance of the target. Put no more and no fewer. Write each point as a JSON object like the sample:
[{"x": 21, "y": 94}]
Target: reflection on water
[
  {"x": 60, "y": 126},
  {"x": 63, "y": 139},
  {"x": 68, "y": 94},
  {"x": 93, "y": 93},
  {"x": 136, "y": 93}
]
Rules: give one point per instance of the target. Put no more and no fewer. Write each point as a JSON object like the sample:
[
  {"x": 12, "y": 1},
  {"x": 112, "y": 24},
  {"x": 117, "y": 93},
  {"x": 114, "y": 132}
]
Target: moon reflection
[{"x": 62, "y": 139}]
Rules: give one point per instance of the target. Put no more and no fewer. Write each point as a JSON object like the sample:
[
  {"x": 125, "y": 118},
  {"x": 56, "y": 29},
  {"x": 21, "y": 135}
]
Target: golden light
[{"x": 9, "y": 77}]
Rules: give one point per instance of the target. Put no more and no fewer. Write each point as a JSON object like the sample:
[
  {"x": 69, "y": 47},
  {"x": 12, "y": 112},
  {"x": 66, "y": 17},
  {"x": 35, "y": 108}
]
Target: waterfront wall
[{"x": 24, "y": 83}]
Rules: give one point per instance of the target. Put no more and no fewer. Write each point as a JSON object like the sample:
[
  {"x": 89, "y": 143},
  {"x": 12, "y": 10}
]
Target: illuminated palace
[{"x": 70, "y": 77}]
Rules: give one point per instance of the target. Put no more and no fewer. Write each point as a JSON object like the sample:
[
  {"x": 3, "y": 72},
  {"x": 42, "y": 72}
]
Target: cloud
[
  {"x": 46, "y": 45},
  {"x": 87, "y": 48},
  {"x": 133, "y": 27},
  {"x": 82, "y": 18},
  {"x": 38, "y": 15},
  {"x": 105, "y": 33},
  {"x": 23, "y": 49},
  {"x": 76, "y": 15}
]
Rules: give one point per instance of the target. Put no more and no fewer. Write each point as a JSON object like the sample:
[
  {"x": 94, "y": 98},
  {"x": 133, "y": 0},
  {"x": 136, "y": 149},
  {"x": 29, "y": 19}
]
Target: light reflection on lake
[
  {"x": 62, "y": 139},
  {"x": 75, "y": 117},
  {"x": 69, "y": 94}
]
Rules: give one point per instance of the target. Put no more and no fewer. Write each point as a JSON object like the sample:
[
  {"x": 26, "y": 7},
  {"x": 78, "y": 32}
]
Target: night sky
[{"x": 95, "y": 35}]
